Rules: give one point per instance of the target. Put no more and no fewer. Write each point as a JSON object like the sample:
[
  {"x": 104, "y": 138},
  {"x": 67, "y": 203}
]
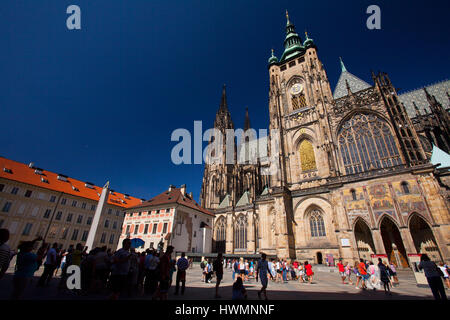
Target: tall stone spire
[
  {"x": 247, "y": 121},
  {"x": 223, "y": 101}
]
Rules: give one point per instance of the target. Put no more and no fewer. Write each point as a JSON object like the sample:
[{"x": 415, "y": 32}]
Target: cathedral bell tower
[
  {"x": 299, "y": 99},
  {"x": 218, "y": 178}
]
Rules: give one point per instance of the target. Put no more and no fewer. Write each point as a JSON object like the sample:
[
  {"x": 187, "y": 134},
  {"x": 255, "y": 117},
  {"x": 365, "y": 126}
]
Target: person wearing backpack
[{"x": 202, "y": 266}]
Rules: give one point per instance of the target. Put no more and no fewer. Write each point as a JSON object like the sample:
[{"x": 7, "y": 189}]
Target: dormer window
[
  {"x": 62, "y": 177},
  {"x": 75, "y": 188},
  {"x": 38, "y": 171},
  {"x": 89, "y": 185},
  {"x": 44, "y": 180},
  {"x": 7, "y": 170},
  {"x": 126, "y": 196}
]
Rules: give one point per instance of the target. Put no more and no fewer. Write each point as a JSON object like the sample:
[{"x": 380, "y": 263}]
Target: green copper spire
[
  {"x": 342, "y": 65},
  {"x": 292, "y": 42},
  {"x": 308, "y": 42},
  {"x": 273, "y": 59}
]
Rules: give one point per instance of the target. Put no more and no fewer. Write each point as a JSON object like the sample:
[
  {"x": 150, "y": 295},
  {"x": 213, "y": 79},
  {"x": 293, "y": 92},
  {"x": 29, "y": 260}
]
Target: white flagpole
[{"x": 98, "y": 213}]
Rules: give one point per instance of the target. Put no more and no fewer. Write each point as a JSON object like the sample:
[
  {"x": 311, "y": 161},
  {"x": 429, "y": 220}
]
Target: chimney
[
  {"x": 171, "y": 187},
  {"x": 31, "y": 165},
  {"x": 183, "y": 189},
  {"x": 191, "y": 195}
]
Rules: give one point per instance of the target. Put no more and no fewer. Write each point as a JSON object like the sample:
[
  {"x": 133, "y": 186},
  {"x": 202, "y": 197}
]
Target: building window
[
  {"x": 89, "y": 221},
  {"x": 353, "y": 194},
  {"x": 52, "y": 198},
  {"x": 74, "y": 203},
  {"x": 7, "y": 206},
  {"x": 117, "y": 213},
  {"x": 136, "y": 229},
  {"x": 80, "y": 218},
  {"x": 106, "y": 223},
  {"x": 165, "y": 228},
  {"x": 103, "y": 239},
  {"x": 69, "y": 217},
  {"x": 405, "y": 187},
  {"x": 83, "y": 205},
  {"x": 292, "y": 63},
  {"x": 114, "y": 225},
  {"x": 85, "y": 235},
  {"x": 64, "y": 234},
  {"x": 298, "y": 101},
  {"x": 47, "y": 213},
  {"x": 307, "y": 157},
  {"x": 111, "y": 239},
  {"x": 366, "y": 143},
  {"x": 58, "y": 215},
  {"x": 154, "y": 228},
  {"x": 220, "y": 235},
  {"x": 316, "y": 224},
  {"x": 93, "y": 207},
  {"x": 109, "y": 211},
  {"x": 63, "y": 201},
  {"x": 240, "y": 234},
  {"x": 74, "y": 234},
  {"x": 195, "y": 234},
  {"x": 128, "y": 229},
  {"x": 2, "y": 186},
  {"x": 14, "y": 190},
  {"x": 146, "y": 229},
  {"x": 27, "y": 229}
]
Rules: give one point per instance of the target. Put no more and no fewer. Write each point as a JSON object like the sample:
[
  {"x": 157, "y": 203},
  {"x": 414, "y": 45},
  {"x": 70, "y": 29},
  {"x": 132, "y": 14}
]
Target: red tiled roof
[
  {"x": 173, "y": 196},
  {"x": 23, "y": 173}
]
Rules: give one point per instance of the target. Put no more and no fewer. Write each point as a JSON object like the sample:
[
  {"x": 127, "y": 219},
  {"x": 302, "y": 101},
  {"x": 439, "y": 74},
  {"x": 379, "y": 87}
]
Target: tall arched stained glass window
[
  {"x": 220, "y": 235},
  {"x": 366, "y": 142},
  {"x": 240, "y": 233},
  {"x": 316, "y": 224}
]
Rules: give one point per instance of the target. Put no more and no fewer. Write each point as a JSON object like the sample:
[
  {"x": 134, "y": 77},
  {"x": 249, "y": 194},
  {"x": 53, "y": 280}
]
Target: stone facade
[{"x": 354, "y": 178}]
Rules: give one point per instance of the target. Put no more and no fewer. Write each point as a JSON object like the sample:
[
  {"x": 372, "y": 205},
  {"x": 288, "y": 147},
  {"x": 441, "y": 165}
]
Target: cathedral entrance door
[
  {"x": 423, "y": 238},
  {"x": 364, "y": 240},
  {"x": 319, "y": 257},
  {"x": 393, "y": 243}
]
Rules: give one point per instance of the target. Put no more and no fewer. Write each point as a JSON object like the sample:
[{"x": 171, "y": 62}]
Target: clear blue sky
[{"x": 101, "y": 103}]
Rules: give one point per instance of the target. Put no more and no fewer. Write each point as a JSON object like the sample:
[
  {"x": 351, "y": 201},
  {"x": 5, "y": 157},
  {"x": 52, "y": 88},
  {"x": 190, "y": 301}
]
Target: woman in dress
[
  {"x": 309, "y": 272},
  {"x": 348, "y": 272}
]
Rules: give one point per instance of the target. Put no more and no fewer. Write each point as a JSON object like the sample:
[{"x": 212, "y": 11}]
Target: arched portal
[
  {"x": 319, "y": 257},
  {"x": 364, "y": 240},
  {"x": 393, "y": 243},
  {"x": 423, "y": 238}
]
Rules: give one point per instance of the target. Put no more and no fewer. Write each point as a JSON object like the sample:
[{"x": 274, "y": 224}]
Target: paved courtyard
[{"x": 326, "y": 285}]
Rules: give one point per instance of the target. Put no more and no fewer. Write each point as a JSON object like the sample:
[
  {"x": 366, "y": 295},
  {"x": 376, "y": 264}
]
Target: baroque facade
[{"x": 355, "y": 176}]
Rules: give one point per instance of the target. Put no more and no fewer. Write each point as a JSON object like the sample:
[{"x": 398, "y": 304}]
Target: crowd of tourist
[{"x": 150, "y": 273}]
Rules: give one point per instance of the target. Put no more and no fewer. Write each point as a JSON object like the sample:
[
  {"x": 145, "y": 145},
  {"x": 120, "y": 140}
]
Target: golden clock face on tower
[{"x": 296, "y": 88}]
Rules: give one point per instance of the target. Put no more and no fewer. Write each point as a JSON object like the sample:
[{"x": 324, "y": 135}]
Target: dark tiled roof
[
  {"x": 355, "y": 83},
  {"x": 439, "y": 90}
]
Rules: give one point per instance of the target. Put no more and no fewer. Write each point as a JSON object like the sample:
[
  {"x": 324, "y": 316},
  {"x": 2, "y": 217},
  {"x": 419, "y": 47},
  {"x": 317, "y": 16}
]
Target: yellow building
[{"x": 36, "y": 202}]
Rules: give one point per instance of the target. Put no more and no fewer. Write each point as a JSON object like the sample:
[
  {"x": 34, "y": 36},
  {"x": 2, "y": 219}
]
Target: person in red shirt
[
  {"x": 363, "y": 272},
  {"x": 309, "y": 271},
  {"x": 341, "y": 270}
]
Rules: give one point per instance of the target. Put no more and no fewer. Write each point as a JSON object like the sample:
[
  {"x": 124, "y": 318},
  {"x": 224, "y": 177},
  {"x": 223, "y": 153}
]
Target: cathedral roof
[
  {"x": 244, "y": 200},
  {"x": 441, "y": 157},
  {"x": 439, "y": 90},
  {"x": 226, "y": 202},
  {"x": 355, "y": 83}
]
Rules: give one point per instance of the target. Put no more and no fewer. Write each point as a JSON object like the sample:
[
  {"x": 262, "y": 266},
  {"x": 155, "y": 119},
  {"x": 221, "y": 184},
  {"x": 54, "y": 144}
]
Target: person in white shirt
[{"x": 444, "y": 269}]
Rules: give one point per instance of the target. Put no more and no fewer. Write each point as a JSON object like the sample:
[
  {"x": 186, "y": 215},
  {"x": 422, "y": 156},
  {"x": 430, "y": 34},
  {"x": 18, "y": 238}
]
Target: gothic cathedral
[{"x": 354, "y": 178}]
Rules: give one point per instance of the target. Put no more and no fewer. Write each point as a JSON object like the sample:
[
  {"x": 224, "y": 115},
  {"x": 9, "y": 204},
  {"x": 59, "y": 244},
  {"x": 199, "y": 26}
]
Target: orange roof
[
  {"x": 173, "y": 196},
  {"x": 23, "y": 173}
]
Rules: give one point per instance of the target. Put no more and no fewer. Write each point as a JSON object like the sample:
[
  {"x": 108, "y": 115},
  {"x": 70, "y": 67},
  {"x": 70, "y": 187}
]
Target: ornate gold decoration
[{"x": 307, "y": 158}]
